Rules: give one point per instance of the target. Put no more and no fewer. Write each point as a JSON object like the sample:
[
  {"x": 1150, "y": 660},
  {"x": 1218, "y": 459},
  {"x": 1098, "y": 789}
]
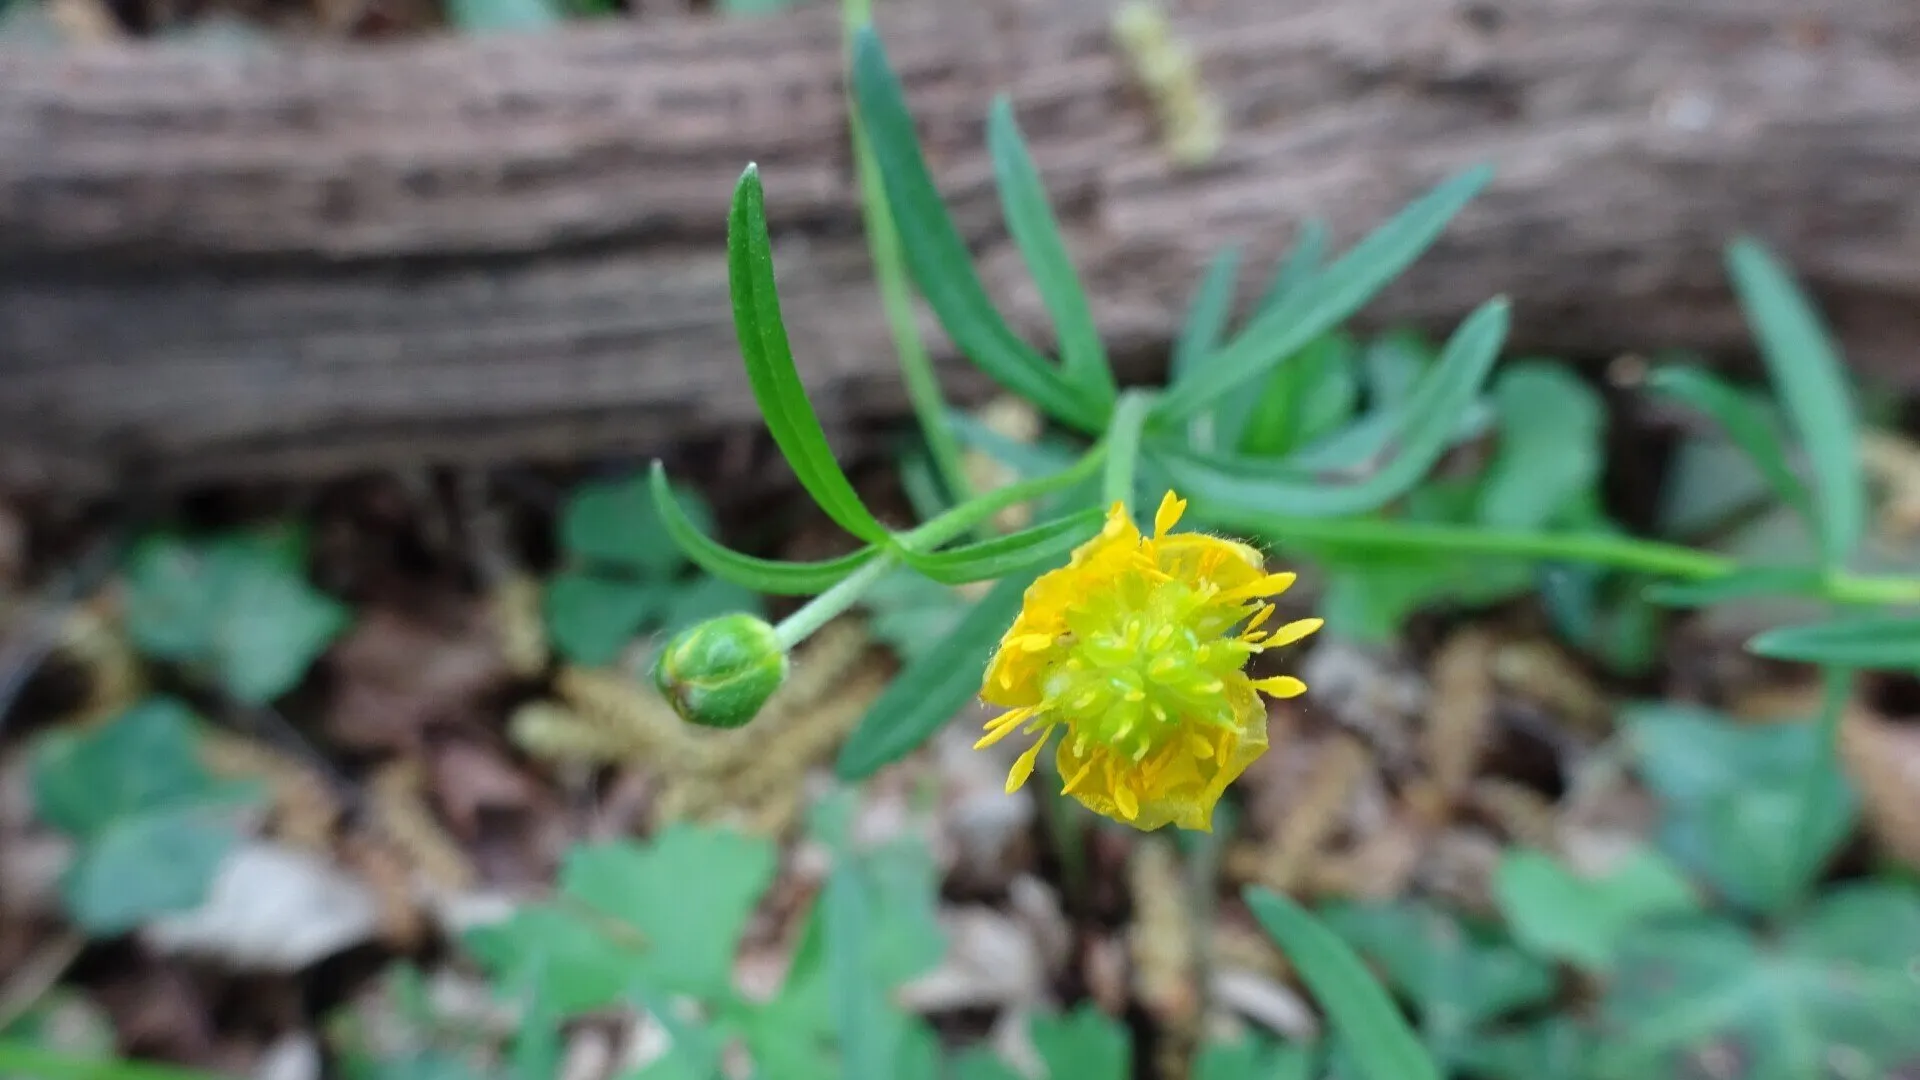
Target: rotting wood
[{"x": 511, "y": 246}]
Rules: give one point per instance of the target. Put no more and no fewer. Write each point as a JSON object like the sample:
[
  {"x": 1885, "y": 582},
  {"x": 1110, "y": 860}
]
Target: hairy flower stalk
[{"x": 1138, "y": 648}]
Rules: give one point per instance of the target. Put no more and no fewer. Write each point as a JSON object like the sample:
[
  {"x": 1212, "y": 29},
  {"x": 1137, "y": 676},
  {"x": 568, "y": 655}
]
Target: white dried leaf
[{"x": 272, "y": 908}]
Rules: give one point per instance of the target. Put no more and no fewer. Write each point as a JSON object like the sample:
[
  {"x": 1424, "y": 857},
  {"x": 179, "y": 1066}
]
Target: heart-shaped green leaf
[
  {"x": 1559, "y": 913},
  {"x": 1733, "y": 794},
  {"x": 1835, "y": 996}
]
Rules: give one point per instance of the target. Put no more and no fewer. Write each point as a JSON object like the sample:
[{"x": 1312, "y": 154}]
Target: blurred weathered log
[{"x": 332, "y": 256}]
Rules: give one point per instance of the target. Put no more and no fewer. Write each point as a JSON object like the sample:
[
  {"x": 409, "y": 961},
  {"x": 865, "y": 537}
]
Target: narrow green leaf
[
  {"x": 1357, "y": 1006},
  {"x": 1885, "y": 642},
  {"x": 1120, "y": 477},
  {"x": 1326, "y": 299},
  {"x": 1757, "y": 581},
  {"x": 1300, "y": 263},
  {"x": 1003, "y": 555},
  {"x": 1552, "y": 426},
  {"x": 768, "y": 576},
  {"x": 938, "y": 257},
  {"x": 1354, "y": 447},
  {"x": 1745, "y": 423},
  {"x": 1430, "y": 421},
  {"x": 1035, "y": 230},
  {"x": 487, "y": 16},
  {"x": 1304, "y": 398},
  {"x": 18, "y": 1058},
  {"x": 1207, "y": 314},
  {"x": 1812, "y": 387},
  {"x": 930, "y": 692},
  {"x": 1027, "y": 459},
  {"x": 769, "y": 361}
]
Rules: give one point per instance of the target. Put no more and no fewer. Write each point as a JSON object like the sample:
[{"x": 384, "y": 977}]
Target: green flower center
[{"x": 1145, "y": 661}]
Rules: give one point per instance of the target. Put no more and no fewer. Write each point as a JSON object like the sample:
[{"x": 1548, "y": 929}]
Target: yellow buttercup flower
[{"x": 1138, "y": 648}]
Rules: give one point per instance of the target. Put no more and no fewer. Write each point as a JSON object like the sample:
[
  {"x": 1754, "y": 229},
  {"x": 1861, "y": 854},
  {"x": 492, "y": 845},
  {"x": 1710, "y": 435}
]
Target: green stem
[
  {"x": 965, "y": 516},
  {"x": 1123, "y": 446},
  {"x": 823, "y": 608},
  {"x": 1599, "y": 549},
  {"x": 896, "y": 297},
  {"x": 20, "y": 1059}
]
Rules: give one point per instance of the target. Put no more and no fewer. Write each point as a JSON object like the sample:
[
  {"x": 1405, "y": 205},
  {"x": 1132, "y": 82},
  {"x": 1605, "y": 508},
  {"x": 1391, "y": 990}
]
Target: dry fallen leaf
[
  {"x": 1883, "y": 754},
  {"x": 1459, "y": 711},
  {"x": 990, "y": 961},
  {"x": 1539, "y": 671},
  {"x": 399, "y": 674},
  {"x": 467, "y": 780},
  {"x": 271, "y": 908}
]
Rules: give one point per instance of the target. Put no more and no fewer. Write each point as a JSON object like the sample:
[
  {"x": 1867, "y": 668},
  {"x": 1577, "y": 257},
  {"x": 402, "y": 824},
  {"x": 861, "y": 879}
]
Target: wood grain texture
[{"x": 334, "y": 257}]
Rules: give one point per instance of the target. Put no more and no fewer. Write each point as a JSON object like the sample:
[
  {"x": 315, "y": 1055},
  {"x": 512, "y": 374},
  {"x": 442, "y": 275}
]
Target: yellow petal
[
  {"x": 1280, "y": 686},
  {"x": 1032, "y": 642},
  {"x": 1023, "y": 766},
  {"x": 1165, "y": 518},
  {"x": 1294, "y": 631},
  {"x": 1126, "y": 801},
  {"x": 1201, "y": 746}
]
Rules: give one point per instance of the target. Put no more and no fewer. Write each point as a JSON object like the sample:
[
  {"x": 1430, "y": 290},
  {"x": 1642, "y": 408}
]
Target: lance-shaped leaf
[
  {"x": 769, "y": 361},
  {"x": 1030, "y": 220},
  {"x": 1745, "y": 423},
  {"x": 1429, "y": 424},
  {"x": 1003, "y": 555},
  {"x": 937, "y": 257},
  {"x": 769, "y": 576},
  {"x": 1366, "y": 1020},
  {"x": 1812, "y": 387},
  {"x": 932, "y": 691},
  {"x": 1325, "y": 300},
  {"x": 1886, "y": 643}
]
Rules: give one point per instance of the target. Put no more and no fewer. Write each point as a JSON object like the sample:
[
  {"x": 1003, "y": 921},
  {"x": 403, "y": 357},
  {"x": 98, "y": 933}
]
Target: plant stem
[
  {"x": 963, "y": 517},
  {"x": 1599, "y": 549},
  {"x": 823, "y": 608},
  {"x": 1123, "y": 446},
  {"x": 896, "y": 298}
]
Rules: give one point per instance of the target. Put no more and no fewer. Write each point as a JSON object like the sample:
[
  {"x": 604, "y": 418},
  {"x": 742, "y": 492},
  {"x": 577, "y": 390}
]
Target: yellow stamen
[
  {"x": 1280, "y": 686},
  {"x": 1023, "y": 765},
  {"x": 1078, "y": 778},
  {"x": 1267, "y": 585},
  {"x": 1001, "y": 726},
  {"x": 1164, "y": 519},
  {"x": 1294, "y": 631},
  {"x": 1259, "y": 617}
]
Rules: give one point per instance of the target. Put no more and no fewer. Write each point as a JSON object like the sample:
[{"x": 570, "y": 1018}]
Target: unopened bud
[{"x": 719, "y": 673}]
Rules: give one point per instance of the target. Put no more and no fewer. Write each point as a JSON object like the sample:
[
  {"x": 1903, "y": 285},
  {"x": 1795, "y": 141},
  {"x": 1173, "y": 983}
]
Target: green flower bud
[{"x": 720, "y": 672}]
